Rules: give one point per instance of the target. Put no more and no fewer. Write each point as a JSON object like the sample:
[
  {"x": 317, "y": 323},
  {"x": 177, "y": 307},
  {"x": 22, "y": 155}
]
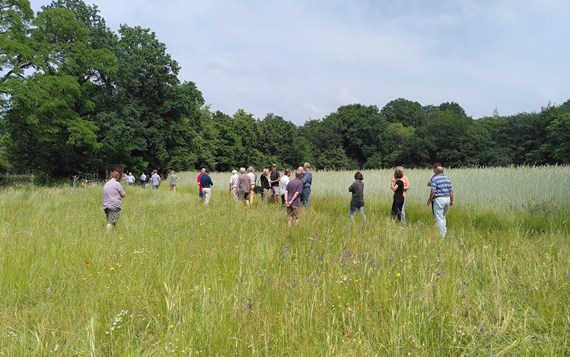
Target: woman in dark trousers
[{"x": 397, "y": 187}]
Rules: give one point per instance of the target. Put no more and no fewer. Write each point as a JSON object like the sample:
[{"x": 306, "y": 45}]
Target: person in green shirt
[{"x": 173, "y": 181}]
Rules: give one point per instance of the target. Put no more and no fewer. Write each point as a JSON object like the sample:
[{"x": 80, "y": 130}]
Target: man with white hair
[
  {"x": 441, "y": 198},
  {"x": 233, "y": 185}
]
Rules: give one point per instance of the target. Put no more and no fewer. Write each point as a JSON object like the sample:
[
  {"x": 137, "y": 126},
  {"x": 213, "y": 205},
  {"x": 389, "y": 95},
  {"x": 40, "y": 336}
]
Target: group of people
[
  {"x": 293, "y": 192},
  {"x": 440, "y": 198}
]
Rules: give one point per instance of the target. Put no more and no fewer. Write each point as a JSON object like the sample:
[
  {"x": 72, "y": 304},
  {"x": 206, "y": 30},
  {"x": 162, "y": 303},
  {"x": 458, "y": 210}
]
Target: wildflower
[
  {"x": 398, "y": 274},
  {"x": 87, "y": 261}
]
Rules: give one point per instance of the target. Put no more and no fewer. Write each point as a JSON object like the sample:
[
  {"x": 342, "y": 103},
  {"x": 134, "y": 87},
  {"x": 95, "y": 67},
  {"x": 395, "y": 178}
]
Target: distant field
[{"x": 177, "y": 278}]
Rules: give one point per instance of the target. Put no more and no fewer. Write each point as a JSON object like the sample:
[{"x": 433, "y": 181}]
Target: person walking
[
  {"x": 155, "y": 180},
  {"x": 307, "y": 182},
  {"x": 407, "y": 186},
  {"x": 293, "y": 197},
  {"x": 440, "y": 198},
  {"x": 252, "y": 179},
  {"x": 234, "y": 185},
  {"x": 283, "y": 181},
  {"x": 173, "y": 181},
  {"x": 397, "y": 186},
  {"x": 274, "y": 181},
  {"x": 113, "y": 194},
  {"x": 130, "y": 179},
  {"x": 200, "y": 193},
  {"x": 143, "y": 179},
  {"x": 265, "y": 185},
  {"x": 243, "y": 186},
  {"x": 357, "y": 201},
  {"x": 206, "y": 183}
]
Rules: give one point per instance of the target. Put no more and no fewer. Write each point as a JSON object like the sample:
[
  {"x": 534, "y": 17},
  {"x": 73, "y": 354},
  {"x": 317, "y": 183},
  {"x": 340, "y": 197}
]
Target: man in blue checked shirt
[{"x": 441, "y": 198}]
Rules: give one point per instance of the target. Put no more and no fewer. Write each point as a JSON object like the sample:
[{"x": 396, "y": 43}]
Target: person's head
[
  {"x": 287, "y": 172},
  {"x": 435, "y": 166},
  {"x": 173, "y": 172},
  {"x": 234, "y": 172},
  {"x": 306, "y": 166},
  {"x": 242, "y": 170},
  {"x": 116, "y": 175},
  {"x": 203, "y": 170},
  {"x": 300, "y": 172},
  {"x": 265, "y": 171},
  {"x": 438, "y": 170},
  {"x": 401, "y": 168},
  {"x": 206, "y": 171},
  {"x": 273, "y": 167},
  {"x": 358, "y": 176},
  {"x": 250, "y": 169},
  {"x": 398, "y": 174}
]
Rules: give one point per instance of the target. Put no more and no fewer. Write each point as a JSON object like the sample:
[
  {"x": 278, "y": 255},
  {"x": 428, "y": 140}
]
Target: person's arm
[
  {"x": 407, "y": 184},
  {"x": 431, "y": 195},
  {"x": 394, "y": 185},
  {"x": 451, "y": 198}
]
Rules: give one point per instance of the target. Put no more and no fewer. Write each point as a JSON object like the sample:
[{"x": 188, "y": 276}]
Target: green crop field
[{"x": 177, "y": 278}]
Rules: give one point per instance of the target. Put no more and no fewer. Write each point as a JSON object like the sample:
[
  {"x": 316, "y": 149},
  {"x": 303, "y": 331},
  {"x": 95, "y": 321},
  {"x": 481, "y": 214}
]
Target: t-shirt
[
  {"x": 173, "y": 180},
  {"x": 274, "y": 178},
  {"x": 206, "y": 181},
  {"x": 143, "y": 178},
  {"x": 112, "y": 194},
  {"x": 251, "y": 176},
  {"x": 283, "y": 184},
  {"x": 399, "y": 193},
  {"x": 293, "y": 186},
  {"x": 234, "y": 181},
  {"x": 357, "y": 189},
  {"x": 243, "y": 183},
  {"x": 441, "y": 185},
  {"x": 155, "y": 179}
]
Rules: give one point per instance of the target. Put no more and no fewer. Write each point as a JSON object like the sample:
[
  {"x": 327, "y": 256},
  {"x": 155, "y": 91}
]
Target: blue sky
[{"x": 303, "y": 59}]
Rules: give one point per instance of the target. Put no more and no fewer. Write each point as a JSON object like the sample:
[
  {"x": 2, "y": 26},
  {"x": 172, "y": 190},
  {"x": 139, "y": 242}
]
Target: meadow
[{"x": 177, "y": 278}]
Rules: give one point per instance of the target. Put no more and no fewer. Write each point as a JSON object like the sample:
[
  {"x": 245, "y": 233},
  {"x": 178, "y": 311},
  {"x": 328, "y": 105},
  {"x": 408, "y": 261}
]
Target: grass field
[{"x": 179, "y": 279}]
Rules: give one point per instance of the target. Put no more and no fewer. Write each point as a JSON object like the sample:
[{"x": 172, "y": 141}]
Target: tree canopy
[{"x": 77, "y": 98}]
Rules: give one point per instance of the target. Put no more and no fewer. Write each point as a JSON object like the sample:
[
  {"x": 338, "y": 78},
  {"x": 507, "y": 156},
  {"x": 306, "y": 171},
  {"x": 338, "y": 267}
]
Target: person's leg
[
  {"x": 207, "y": 195},
  {"x": 440, "y": 206},
  {"x": 251, "y": 193},
  {"x": 361, "y": 210},
  {"x": 351, "y": 212},
  {"x": 403, "y": 211},
  {"x": 394, "y": 210},
  {"x": 305, "y": 196}
]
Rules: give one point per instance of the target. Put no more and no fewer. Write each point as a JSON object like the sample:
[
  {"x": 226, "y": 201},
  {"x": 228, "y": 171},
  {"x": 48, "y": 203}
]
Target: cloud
[{"x": 303, "y": 59}]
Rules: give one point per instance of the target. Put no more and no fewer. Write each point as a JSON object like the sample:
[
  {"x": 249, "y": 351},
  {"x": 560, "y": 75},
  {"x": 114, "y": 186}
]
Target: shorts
[
  {"x": 275, "y": 190},
  {"x": 112, "y": 215},
  {"x": 294, "y": 212},
  {"x": 246, "y": 196}
]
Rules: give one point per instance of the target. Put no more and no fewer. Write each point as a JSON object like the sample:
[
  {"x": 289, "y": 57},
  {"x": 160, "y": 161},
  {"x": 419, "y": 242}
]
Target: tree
[{"x": 404, "y": 111}]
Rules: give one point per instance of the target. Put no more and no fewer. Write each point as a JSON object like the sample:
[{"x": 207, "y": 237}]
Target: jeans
[
  {"x": 305, "y": 196},
  {"x": 354, "y": 208},
  {"x": 440, "y": 205}
]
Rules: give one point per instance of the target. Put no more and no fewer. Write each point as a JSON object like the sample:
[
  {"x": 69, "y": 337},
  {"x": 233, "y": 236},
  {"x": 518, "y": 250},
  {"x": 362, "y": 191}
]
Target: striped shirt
[{"x": 441, "y": 185}]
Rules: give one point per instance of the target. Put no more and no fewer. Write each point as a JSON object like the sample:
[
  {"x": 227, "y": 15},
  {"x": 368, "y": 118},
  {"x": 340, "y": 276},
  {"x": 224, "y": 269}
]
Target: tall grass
[{"x": 178, "y": 278}]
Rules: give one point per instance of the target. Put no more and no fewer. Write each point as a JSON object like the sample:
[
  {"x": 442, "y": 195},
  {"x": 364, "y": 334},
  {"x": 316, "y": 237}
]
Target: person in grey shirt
[{"x": 113, "y": 194}]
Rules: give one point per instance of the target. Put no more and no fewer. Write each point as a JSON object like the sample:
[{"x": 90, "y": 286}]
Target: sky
[{"x": 303, "y": 59}]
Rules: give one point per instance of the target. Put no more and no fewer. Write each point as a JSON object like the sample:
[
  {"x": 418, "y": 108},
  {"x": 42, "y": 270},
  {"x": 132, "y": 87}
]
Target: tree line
[{"x": 78, "y": 98}]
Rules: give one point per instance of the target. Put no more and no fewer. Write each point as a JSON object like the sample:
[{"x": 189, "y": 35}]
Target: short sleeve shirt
[
  {"x": 293, "y": 186},
  {"x": 112, "y": 195}
]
